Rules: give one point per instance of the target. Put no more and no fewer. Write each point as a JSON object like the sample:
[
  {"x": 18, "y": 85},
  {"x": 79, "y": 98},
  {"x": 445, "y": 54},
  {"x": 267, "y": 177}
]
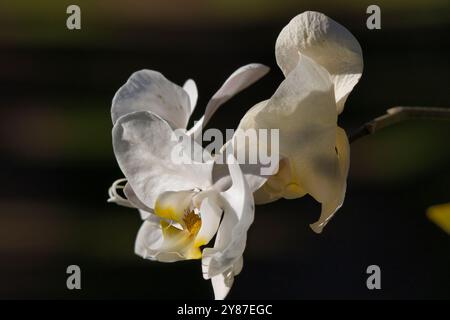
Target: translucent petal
[
  {"x": 143, "y": 144},
  {"x": 148, "y": 90},
  {"x": 191, "y": 88},
  {"x": 232, "y": 234},
  {"x": 328, "y": 43},
  {"x": 238, "y": 81}
]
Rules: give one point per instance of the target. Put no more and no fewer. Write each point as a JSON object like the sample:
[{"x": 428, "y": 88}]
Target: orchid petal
[
  {"x": 329, "y": 208},
  {"x": 148, "y": 90},
  {"x": 223, "y": 282},
  {"x": 279, "y": 186},
  {"x": 256, "y": 172},
  {"x": 144, "y": 210},
  {"x": 328, "y": 43},
  {"x": 303, "y": 108},
  {"x": 150, "y": 243},
  {"x": 221, "y": 286},
  {"x": 232, "y": 234},
  {"x": 164, "y": 242},
  {"x": 210, "y": 213},
  {"x": 143, "y": 144},
  {"x": 238, "y": 81},
  {"x": 191, "y": 88}
]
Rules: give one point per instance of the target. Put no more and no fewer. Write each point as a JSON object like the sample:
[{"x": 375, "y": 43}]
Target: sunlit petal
[
  {"x": 238, "y": 81},
  {"x": 143, "y": 145},
  {"x": 231, "y": 237},
  {"x": 191, "y": 88},
  {"x": 328, "y": 43},
  {"x": 148, "y": 90},
  {"x": 210, "y": 213}
]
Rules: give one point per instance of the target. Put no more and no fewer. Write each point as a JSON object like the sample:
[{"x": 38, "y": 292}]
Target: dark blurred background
[{"x": 57, "y": 160}]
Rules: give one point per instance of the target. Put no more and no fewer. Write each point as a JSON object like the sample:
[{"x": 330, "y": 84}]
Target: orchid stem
[{"x": 399, "y": 114}]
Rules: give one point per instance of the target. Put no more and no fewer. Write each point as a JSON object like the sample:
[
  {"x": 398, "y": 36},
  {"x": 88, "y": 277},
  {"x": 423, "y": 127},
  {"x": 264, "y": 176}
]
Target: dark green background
[{"x": 57, "y": 160}]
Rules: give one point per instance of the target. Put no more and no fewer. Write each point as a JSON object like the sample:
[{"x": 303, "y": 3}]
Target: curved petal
[
  {"x": 143, "y": 144},
  {"x": 232, "y": 234},
  {"x": 238, "y": 81},
  {"x": 147, "y": 215},
  {"x": 328, "y": 43},
  {"x": 221, "y": 286},
  {"x": 116, "y": 197},
  {"x": 191, "y": 88},
  {"x": 144, "y": 211},
  {"x": 223, "y": 282},
  {"x": 150, "y": 244},
  {"x": 303, "y": 108},
  {"x": 148, "y": 90},
  {"x": 329, "y": 208},
  {"x": 210, "y": 214}
]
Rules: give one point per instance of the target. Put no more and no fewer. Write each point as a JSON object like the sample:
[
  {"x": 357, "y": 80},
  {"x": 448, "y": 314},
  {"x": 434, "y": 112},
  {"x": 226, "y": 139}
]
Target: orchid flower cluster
[{"x": 184, "y": 205}]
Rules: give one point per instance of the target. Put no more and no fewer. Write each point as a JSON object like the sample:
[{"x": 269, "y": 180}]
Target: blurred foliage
[
  {"x": 41, "y": 22},
  {"x": 404, "y": 152},
  {"x": 55, "y": 141}
]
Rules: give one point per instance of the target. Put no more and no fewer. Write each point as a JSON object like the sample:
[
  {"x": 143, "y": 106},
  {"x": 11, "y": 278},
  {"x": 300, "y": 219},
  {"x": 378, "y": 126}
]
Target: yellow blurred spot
[{"x": 440, "y": 215}]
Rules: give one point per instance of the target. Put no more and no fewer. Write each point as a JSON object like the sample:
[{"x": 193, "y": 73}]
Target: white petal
[
  {"x": 191, "y": 88},
  {"x": 116, "y": 197},
  {"x": 256, "y": 174},
  {"x": 328, "y": 43},
  {"x": 210, "y": 214},
  {"x": 238, "y": 81},
  {"x": 148, "y": 90},
  {"x": 143, "y": 145},
  {"x": 221, "y": 286},
  {"x": 147, "y": 215},
  {"x": 150, "y": 244},
  {"x": 232, "y": 234},
  {"x": 329, "y": 208},
  {"x": 303, "y": 108},
  {"x": 223, "y": 282},
  {"x": 144, "y": 210}
]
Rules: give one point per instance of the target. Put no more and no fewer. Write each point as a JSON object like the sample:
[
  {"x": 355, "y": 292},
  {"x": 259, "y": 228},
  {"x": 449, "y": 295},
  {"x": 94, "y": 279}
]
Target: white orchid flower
[
  {"x": 149, "y": 90},
  {"x": 184, "y": 206},
  {"x": 180, "y": 202},
  {"x": 322, "y": 62}
]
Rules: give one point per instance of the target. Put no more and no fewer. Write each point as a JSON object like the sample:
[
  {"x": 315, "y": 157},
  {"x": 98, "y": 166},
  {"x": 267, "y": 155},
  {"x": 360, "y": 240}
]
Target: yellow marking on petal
[
  {"x": 440, "y": 215},
  {"x": 166, "y": 212},
  {"x": 186, "y": 237},
  {"x": 293, "y": 191},
  {"x": 194, "y": 253},
  {"x": 199, "y": 241}
]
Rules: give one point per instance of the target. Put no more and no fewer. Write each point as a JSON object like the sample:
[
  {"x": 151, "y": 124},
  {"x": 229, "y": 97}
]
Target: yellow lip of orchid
[{"x": 181, "y": 222}]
